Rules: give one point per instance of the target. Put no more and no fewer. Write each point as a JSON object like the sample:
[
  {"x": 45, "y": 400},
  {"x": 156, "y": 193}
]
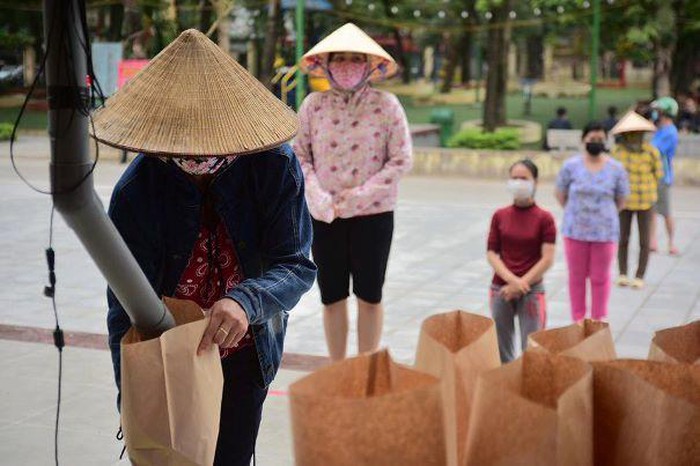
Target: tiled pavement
[{"x": 437, "y": 263}]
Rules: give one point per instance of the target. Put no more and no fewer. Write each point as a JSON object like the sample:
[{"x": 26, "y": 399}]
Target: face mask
[
  {"x": 654, "y": 116},
  {"x": 633, "y": 140},
  {"x": 521, "y": 190},
  {"x": 202, "y": 165},
  {"x": 595, "y": 148},
  {"x": 347, "y": 75}
]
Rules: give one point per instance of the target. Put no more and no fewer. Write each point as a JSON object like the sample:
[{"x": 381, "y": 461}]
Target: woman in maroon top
[{"x": 520, "y": 250}]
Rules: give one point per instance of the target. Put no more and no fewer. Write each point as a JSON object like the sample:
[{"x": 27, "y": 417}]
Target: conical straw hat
[
  {"x": 631, "y": 122},
  {"x": 194, "y": 100},
  {"x": 349, "y": 38}
]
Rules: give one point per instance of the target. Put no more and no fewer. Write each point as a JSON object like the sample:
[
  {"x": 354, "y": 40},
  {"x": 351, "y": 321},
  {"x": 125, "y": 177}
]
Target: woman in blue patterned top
[{"x": 592, "y": 188}]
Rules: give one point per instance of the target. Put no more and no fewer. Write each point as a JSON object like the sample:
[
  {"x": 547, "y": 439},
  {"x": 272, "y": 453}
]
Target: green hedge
[
  {"x": 5, "y": 131},
  {"x": 474, "y": 138}
]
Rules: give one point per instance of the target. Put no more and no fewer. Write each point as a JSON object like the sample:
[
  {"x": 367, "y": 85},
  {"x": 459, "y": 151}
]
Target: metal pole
[
  {"x": 300, "y": 89},
  {"x": 595, "y": 41},
  {"x": 76, "y": 200}
]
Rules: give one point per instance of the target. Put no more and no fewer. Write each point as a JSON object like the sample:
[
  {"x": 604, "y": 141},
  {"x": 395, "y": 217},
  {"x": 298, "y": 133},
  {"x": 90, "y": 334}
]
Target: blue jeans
[{"x": 241, "y": 408}]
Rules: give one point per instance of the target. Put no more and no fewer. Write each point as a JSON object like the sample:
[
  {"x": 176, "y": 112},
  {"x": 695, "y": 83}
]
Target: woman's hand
[
  {"x": 562, "y": 197},
  {"x": 520, "y": 285},
  {"x": 510, "y": 293},
  {"x": 228, "y": 324}
]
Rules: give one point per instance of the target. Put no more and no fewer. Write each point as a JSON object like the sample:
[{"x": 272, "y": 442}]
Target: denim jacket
[{"x": 260, "y": 199}]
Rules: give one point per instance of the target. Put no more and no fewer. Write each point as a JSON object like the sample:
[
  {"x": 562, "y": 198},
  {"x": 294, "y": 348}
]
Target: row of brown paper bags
[
  {"x": 374, "y": 412},
  {"x": 567, "y": 401}
]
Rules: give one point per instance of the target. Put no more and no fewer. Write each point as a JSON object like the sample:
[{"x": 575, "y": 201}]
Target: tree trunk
[
  {"x": 663, "y": 55},
  {"x": 270, "y": 45},
  {"x": 402, "y": 57},
  {"x": 116, "y": 21},
  {"x": 664, "y": 46},
  {"x": 497, "y": 74},
  {"x": 205, "y": 15},
  {"x": 175, "y": 16},
  {"x": 451, "y": 42},
  {"x": 253, "y": 59},
  {"x": 131, "y": 25},
  {"x": 36, "y": 27},
  {"x": 685, "y": 60},
  {"x": 684, "y": 66},
  {"x": 400, "y": 54},
  {"x": 535, "y": 62},
  {"x": 465, "y": 47},
  {"x": 131, "y": 17},
  {"x": 467, "y": 40}
]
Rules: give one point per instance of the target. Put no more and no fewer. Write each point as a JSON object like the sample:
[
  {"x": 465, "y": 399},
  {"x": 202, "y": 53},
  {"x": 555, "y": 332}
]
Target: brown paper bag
[
  {"x": 677, "y": 344},
  {"x": 367, "y": 411},
  {"x": 456, "y": 347},
  {"x": 589, "y": 340},
  {"x": 537, "y": 410},
  {"x": 647, "y": 413},
  {"x": 171, "y": 398}
]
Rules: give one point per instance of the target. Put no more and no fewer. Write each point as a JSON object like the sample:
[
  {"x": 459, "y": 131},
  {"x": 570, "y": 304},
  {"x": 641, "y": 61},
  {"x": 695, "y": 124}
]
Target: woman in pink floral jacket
[{"x": 354, "y": 145}]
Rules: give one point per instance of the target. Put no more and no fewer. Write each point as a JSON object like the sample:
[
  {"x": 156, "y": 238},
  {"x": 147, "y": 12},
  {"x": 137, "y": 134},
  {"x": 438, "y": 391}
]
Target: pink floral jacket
[{"x": 353, "y": 149}]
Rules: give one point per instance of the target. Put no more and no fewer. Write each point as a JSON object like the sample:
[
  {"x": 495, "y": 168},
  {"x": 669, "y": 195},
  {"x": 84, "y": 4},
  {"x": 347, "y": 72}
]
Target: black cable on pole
[
  {"x": 58, "y": 339},
  {"x": 83, "y": 104},
  {"x": 84, "y": 109}
]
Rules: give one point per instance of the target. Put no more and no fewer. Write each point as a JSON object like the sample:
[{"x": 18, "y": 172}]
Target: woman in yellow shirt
[{"x": 645, "y": 168}]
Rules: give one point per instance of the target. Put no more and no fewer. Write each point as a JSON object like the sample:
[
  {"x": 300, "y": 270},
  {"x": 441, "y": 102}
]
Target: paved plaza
[{"x": 437, "y": 264}]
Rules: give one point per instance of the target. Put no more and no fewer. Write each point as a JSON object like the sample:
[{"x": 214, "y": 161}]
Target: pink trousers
[{"x": 588, "y": 260}]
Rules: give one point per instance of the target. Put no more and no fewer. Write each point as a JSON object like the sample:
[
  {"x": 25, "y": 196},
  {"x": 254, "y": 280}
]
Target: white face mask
[{"x": 521, "y": 190}]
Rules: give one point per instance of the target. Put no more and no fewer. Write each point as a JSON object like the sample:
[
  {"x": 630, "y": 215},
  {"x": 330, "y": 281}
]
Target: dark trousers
[
  {"x": 241, "y": 408},
  {"x": 644, "y": 218},
  {"x": 356, "y": 247}
]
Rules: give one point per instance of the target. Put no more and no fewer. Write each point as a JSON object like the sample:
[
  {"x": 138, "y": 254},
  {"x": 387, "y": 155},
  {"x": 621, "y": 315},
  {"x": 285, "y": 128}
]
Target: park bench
[
  {"x": 564, "y": 140},
  {"x": 425, "y": 135},
  {"x": 568, "y": 140}
]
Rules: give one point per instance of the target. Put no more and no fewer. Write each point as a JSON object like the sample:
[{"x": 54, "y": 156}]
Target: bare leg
[
  {"x": 369, "y": 326},
  {"x": 335, "y": 322},
  {"x": 653, "y": 243},
  {"x": 671, "y": 229}
]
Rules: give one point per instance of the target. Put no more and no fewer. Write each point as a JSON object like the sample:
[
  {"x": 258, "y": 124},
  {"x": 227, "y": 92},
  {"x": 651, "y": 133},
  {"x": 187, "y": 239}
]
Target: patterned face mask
[
  {"x": 348, "y": 75},
  {"x": 202, "y": 165}
]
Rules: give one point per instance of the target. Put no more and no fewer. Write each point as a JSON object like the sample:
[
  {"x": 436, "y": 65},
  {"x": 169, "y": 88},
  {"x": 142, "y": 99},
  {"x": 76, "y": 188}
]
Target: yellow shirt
[{"x": 645, "y": 169}]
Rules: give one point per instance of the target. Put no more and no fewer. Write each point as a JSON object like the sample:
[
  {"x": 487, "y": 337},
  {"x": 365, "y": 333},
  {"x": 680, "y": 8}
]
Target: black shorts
[{"x": 357, "y": 247}]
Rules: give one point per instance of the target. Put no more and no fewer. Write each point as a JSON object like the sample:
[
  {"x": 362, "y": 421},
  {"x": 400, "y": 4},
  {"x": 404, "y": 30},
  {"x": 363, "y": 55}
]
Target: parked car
[{"x": 11, "y": 75}]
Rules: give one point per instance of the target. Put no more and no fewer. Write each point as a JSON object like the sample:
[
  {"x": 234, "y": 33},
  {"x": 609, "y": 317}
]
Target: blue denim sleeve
[{"x": 285, "y": 243}]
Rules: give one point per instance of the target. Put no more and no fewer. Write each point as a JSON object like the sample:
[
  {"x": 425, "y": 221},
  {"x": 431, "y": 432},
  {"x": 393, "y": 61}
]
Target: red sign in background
[{"x": 128, "y": 69}]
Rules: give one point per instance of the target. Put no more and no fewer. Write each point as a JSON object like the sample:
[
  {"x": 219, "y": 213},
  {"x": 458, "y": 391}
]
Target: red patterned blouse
[{"x": 212, "y": 271}]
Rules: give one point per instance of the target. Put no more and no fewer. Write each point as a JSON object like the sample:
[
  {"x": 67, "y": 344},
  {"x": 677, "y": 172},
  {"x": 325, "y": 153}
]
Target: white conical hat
[
  {"x": 632, "y": 122},
  {"x": 193, "y": 99},
  {"x": 349, "y": 38}
]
